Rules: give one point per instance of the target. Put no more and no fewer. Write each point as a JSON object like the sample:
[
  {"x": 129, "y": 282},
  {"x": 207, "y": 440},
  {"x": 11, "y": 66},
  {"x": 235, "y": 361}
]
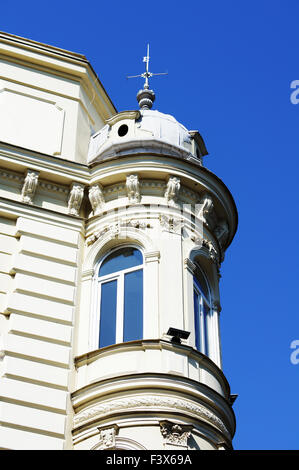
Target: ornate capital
[
  {"x": 29, "y": 186},
  {"x": 175, "y": 434},
  {"x": 75, "y": 198}
]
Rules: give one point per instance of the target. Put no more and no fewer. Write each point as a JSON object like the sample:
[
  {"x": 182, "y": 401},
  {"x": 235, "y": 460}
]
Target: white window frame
[
  {"x": 119, "y": 276},
  {"x": 203, "y": 319}
]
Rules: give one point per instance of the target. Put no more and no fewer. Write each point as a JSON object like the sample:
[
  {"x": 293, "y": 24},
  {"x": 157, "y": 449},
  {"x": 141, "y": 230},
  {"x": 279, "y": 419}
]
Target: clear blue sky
[{"x": 230, "y": 66}]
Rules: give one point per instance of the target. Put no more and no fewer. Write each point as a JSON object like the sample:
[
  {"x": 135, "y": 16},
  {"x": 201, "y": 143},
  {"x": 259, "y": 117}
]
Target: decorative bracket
[
  {"x": 133, "y": 191},
  {"x": 96, "y": 198},
  {"x": 221, "y": 232},
  {"x": 75, "y": 198},
  {"x": 205, "y": 208},
  {"x": 172, "y": 190},
  {"x": 29, "y": 186}
]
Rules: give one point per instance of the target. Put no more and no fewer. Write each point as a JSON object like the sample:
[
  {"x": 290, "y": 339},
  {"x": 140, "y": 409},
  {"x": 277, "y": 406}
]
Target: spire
[{"x": 145, "y": 96}]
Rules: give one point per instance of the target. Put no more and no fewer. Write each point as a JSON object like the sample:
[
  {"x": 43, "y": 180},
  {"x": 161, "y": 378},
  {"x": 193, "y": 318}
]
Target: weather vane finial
[{"x": 146, "y": 96}]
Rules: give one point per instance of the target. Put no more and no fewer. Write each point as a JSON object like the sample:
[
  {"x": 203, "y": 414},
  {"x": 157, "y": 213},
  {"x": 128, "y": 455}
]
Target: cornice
[
  {"x": 194, "y": 180},
  {"x": 141, "y": 386},
  {"x": 16, "y": 209},
  {"x": 19, "y": 159}
]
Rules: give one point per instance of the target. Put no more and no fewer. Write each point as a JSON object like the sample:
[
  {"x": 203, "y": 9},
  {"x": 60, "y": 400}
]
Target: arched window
[
  {"x": 202, "y": 309},
  {"x": 120, "y": 289}
]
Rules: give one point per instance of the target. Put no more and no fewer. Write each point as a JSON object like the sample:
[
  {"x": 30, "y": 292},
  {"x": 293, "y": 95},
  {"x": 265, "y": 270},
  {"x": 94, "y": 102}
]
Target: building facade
[{"x": 112, "y": 236}]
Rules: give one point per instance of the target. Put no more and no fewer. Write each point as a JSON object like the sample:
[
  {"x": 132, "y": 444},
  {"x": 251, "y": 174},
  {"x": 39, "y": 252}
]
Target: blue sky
[{"x": 230, "y": 65}]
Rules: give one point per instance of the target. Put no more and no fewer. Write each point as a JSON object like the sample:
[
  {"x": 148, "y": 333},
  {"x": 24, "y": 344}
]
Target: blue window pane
[
  {"x": 201, "y": 283},
  {"x": 121, "y": 259},
  {"x": 206, "y": 312},
  {"x": 133, "y": 306},
  {"x": 108, "y": 314},
  {"x": 196, "y": 320}
]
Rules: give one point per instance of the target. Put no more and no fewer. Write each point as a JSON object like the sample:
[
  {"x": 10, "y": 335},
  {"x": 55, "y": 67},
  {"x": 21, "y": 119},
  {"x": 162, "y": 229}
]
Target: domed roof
[
  {"x": 146, "y": 131},
  {"x": 165, "y": 127}
]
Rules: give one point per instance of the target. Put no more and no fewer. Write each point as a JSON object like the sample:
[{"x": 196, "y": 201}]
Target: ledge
[{"x": 190, "y": 363}]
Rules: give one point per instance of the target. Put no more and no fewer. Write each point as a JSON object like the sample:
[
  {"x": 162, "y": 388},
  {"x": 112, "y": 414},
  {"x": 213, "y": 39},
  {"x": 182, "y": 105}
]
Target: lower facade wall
[{"x": 37, "y": 306}]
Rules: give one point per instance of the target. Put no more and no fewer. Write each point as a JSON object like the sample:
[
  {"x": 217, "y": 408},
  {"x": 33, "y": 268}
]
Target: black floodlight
[
  {"x": 232, "y": 399},
  {"x": 178, "y": 335}
]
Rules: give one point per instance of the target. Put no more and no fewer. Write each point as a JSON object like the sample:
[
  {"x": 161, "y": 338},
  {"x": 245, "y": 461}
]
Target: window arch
[
  {"x": 202, "y": 310},
  {"x": 120, "y": 296}
]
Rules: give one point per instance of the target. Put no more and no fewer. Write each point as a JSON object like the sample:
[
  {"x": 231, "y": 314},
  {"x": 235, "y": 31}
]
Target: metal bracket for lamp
[{"x": 177, "y": 335}]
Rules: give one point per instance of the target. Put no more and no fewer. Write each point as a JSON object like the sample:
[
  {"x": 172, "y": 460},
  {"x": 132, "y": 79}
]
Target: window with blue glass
[
  {"x": 121, "y": 296},
  {"x": 202, "y": 309}
]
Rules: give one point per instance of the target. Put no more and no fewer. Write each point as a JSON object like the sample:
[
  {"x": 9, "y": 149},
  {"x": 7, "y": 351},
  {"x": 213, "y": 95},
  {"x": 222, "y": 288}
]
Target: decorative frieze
[
  {"x": 9, "y": 175},
  {"x": 132, "y": 187},
  {"x": 175, "y": 434},
  {"x": 147, "y": 402},
  {"x": 47, "y": 186},
  {"x": 75, "y": 198},
  {"x": 96, "y": 198},
  {"x": 29, "y": 186},
  {"x": 172, "y": 190}
]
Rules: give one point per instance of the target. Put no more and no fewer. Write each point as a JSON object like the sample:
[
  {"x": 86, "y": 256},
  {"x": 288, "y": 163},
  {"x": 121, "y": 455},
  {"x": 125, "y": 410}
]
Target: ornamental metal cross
[{"x": 147, "y": 74}]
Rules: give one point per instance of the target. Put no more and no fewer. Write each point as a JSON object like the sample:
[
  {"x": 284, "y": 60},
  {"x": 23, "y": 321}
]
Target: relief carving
[
  {"x": 115, "y": 229},
  {"x": 171, "y": 224},
  {"x": 107, "y": 438},
  {"x": 98, "y": 411},
  {"x": 175, "y": 434}
]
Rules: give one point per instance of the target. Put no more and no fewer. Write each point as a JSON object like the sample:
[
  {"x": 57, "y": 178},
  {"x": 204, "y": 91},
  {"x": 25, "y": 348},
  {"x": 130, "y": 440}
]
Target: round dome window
[{"x": 123, "y": 130}]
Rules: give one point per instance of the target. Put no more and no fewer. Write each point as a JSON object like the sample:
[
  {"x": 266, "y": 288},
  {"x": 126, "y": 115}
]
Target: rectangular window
[
  {"x": 133, "y": 306},
  {"x": 197, "y": 319},
  {"x": 108, "y": 313},
  {"x": 206, "y": 311}
]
